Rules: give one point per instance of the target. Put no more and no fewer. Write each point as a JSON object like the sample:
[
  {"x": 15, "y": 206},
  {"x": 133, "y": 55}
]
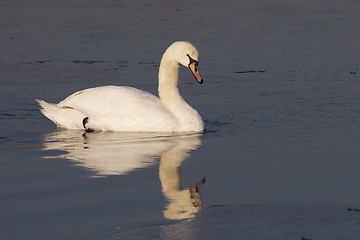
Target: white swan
[{"x": 127, "y": 109}]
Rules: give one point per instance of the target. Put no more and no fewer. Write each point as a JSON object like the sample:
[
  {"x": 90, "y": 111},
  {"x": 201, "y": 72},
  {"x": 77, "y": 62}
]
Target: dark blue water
[{"x": 280, "y": 102}]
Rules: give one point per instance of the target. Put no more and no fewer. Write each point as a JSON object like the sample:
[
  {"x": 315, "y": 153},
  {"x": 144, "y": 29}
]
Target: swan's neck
[
  {"x": 168, "y": 84},
  {"x": 187, "y": 118}
]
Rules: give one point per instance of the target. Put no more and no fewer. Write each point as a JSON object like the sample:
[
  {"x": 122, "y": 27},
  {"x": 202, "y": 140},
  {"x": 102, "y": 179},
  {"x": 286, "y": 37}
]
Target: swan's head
[{"x": 187, "y": 55}]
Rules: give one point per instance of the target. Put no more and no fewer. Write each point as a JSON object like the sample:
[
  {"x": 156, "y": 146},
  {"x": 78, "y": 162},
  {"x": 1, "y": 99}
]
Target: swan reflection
[{"x": 114, "y": 153}]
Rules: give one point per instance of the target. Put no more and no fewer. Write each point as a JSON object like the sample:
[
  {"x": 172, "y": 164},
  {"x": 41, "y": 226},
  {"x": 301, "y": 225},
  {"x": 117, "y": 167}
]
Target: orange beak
[{"x": 195, "y": 71}]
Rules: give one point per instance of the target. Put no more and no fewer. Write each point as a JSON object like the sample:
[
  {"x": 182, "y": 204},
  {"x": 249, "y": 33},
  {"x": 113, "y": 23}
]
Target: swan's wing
[{"x": 121, "y": 109}]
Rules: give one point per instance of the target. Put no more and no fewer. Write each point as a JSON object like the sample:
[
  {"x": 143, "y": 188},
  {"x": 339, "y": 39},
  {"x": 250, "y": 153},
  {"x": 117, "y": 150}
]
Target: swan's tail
[{"x": 63, "y": 117}]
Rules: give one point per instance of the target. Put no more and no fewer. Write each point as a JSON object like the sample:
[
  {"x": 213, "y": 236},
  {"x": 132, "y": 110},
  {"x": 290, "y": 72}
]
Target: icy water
[{"x": 280, "y": 100}]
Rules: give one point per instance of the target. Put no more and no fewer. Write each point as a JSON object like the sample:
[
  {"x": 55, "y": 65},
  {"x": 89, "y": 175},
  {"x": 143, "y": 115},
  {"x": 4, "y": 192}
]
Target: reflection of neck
[
  {"x": 181, "y": 202},
  {"x": 170, "y": 171}
]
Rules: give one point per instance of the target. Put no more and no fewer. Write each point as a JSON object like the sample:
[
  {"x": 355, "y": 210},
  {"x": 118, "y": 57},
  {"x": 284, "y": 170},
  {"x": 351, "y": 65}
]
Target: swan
[{"x": 127, "y": 109}]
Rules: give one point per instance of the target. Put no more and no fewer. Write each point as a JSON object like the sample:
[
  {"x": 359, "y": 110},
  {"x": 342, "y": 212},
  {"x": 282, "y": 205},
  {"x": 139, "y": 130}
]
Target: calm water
[{"x": 280, "y": 102}]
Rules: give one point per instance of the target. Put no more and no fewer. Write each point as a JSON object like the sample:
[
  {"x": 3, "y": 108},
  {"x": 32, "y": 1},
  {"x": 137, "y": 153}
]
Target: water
[{"x": 280, "y": 102}]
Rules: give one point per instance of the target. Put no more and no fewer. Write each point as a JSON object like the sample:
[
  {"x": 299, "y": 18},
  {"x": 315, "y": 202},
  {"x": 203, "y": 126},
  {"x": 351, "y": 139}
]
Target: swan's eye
[{"x": 193, "y": 61}]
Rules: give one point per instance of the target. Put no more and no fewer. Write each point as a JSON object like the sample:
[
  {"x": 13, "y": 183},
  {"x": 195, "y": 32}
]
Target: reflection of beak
[
  {"x": 195, "y": 194},
  {"x": 195, "y": 71},
  {"x": 196, "y": 187}
]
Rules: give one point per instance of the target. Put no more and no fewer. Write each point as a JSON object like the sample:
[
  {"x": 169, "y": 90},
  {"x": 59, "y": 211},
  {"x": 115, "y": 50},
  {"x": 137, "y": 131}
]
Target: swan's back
[{"x": 121, "y": 108}]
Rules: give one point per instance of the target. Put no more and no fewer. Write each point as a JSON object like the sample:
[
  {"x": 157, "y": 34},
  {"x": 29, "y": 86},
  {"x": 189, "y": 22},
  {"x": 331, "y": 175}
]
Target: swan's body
[{"x": 127, "y": 109}]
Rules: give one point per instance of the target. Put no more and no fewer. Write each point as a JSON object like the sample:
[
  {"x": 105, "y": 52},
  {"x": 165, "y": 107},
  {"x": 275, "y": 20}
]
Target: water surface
[{"x": 280, "y": 102}]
